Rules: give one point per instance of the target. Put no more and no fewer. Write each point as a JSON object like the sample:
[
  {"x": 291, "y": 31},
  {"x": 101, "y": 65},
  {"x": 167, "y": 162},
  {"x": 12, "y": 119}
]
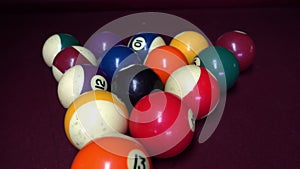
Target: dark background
[{"x": 259, "y": 128}]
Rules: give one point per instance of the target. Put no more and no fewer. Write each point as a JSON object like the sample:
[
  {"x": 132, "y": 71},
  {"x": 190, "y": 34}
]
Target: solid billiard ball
[
  {"x": 69, "y": 57},
  {"x": 143, "y": 43},
  {"x": 163, "y": 124},
  {"x": 190, "y": 43},
  {"x": 100, "y": 42},
  {"x": 164, "y": 60},
  {"x": 77, "y": 80},
  {"x": 241, "y": 45},
  {"x": 94, "y": 114},
  {"x": 54, "y": 44},
  {"x": 132, "y": 83},
  {"x": 117, "y": 58},
  {"x": 112, "y": 152},
  {"x": 197, "y": 87},
  {"x": 221, "y": 63}
]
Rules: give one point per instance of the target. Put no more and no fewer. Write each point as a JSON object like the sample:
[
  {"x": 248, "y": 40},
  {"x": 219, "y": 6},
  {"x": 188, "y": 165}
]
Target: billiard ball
[
  {"x": 221, "y": 63},
  {"x": 143, "y": 43},
  {"x": 100, "y": 42},
  {"x": 117, "y": 58},
  {"x": 77, "y": 80},
  {"x": 55, "y": 43},
  {"x": 94, "y": 114},
  {"x": 163, "y": 124},
  {"x": 69, "y": 57},
  {"x": 190, "y": 43},
  {"x": 241, "y": 45},
  {"x": 132, "y": 83},
  {"x": 164, "y": 60},
  {"x": 197, "y": 87},
  {"x": 112, "y": 152}
]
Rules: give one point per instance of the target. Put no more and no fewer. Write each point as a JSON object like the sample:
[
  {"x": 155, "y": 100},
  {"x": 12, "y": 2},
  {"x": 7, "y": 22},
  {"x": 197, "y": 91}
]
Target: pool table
[{"x": 260, "y": 124}]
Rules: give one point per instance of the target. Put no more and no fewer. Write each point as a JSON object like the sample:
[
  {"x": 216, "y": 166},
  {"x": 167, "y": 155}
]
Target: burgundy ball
[
  {"x": 241, "y": 45},
  {"x": 69, "y": 57}
]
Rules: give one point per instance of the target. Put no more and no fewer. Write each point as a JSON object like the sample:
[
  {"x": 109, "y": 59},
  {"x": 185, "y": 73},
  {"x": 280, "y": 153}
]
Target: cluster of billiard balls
[{"x": 127, "y": 103}]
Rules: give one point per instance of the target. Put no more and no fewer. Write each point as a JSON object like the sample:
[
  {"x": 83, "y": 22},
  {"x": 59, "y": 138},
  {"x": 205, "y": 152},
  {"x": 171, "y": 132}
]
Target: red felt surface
[{"x": 260, "y": 125}]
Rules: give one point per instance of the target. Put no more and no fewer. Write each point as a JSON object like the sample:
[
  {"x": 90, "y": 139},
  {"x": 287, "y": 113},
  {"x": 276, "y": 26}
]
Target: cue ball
[
  {"x": 69, "y": 57},
  {"x": 132, "y": 83},
  {"x": 197, "y": 87},
  {"x": 77, "y": 80},
  {"x": 241, "y": 45},
  {"x": 164, "y": 60},
  {"x": 221, "y": 63},
  {"x": 143, "y": 43},
  {"x": 55, "y": 44},
  {"x": 163, "y": 124},
  {"x": 94, "y": 114},
  {"x": 190, "y": 43},
  {"x": 112, "y": 152},
  {"x": 117, "y": 58}
]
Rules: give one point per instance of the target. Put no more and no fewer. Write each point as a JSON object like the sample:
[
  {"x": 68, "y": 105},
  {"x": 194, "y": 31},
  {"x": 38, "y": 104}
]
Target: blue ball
[
  {"x": 144, "y": 43},
  {"x": 116, "y": 58}
]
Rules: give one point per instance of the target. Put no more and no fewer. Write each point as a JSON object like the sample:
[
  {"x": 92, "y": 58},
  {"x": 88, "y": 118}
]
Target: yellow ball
[
  {"x": 190, "y": 43},
  {"x": 95, "y": 114}
]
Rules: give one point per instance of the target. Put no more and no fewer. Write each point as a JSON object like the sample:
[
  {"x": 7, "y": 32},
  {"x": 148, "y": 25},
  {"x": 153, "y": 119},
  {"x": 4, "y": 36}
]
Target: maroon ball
[{"x": 241, "y": 45}]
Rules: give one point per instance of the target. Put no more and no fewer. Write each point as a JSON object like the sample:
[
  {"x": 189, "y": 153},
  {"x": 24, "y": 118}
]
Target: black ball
[{"x": 132, "y": 83}]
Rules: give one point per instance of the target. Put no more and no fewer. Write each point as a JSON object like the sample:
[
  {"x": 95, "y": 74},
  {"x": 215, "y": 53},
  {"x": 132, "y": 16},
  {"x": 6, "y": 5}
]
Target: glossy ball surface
[
  {"x": 163, "y": 124},
  {"x": 112, "y": 152},
  {"x": 100, "y": 42},
  {"x": 69, "y": 57},
  {"x": 197, "y": 87},
  {"x": 94, "y": 114},
  {"x": 165, "y": 60},
  {"x": 78, "y": 80},
  {"x": 55, "y": 43},
  {"x": 221, "y": 63},
  {"x": 134, "y": 82},
  {"x": 190, "y": 43},
  {"x": 117, "y": 58},
  {"x": 143, "y": 43},
  {"x": 241, "y": 45}
]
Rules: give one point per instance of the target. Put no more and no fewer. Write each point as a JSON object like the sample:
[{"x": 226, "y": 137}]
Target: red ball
[
  {"x": 163, "y": 124},
  {"x": 197, "y": 87},
  {"x": 241, "y": 45}
]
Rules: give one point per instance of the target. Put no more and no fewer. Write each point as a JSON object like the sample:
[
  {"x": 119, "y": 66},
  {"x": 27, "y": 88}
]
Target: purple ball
[{"x": 100, "y": 42}]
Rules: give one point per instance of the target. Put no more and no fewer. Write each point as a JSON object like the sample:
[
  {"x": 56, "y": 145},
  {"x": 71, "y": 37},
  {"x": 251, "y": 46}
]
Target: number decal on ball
[
  {"x": 191, "y": 120},
  {"x": 137, "y": 160},
  {"x": 138, "y": 43},
  {"x": 98, "y": 83},
  {"x": 196, "y": 61}
]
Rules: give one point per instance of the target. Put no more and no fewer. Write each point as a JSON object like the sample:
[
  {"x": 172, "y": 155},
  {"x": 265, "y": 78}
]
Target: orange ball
[
  {"x": 112, "y": 152},
  {"x": 165, "y": 60},
  {"x": 190, "y": 43}
]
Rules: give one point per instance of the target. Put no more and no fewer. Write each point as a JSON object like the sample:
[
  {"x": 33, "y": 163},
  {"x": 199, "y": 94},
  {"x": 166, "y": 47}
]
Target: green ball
[
  {"x": 55, "y": 43},
  {"x": 221, "y": 63}
]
